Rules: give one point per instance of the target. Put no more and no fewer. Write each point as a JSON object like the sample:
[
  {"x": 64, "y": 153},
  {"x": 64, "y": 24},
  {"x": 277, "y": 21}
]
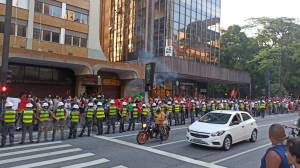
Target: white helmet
[
  {"x": 169, "y": 103},
  {"x": 154, "y": 104},
  {"x": 90, "y": 104},
  {"x": 29, "y": 105},
  {"x": 99, "y": 104},
  {"x": 8, "y": 104},
  {"x": 124, "y": 104},
  {"x": 75, "y": 106},
  {"x": 60, "y": 104},
  {"x": 133, "y": 105},
  {"x": 193, "y": 101},
  {"x": 144, "y": 105},
  {"x": 182, "y": 102},
  {"x": 45, "y": 104},
  {"x": 203, "y": 103},
  {"x": 176, "y": 102},
  {"x": 112, "y": 102}
]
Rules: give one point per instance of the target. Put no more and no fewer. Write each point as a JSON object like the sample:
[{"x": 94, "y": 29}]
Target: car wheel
[
  {"x": 227, "y": 143},
  {"x": 253, "y": 136}
]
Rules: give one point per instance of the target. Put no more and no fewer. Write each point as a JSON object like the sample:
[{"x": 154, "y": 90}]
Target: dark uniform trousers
[
  {"x": 43, "y": 127},
  {"x": 111, "y": 122},
  {"x": 176, "y": 118},
  {"x": 132, "y": 123},
  {"x": 100, "y": 125},
  {"x": 8, "y": 129},
  {"x": 73, "y": 130},
  {"x": 58, "y": 125},
  {"x": 88, "y": 123},
  {"x": 27, "y": 128}
]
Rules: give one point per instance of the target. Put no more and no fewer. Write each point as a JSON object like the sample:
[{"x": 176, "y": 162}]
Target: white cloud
[{"x": 237, "y": 11}]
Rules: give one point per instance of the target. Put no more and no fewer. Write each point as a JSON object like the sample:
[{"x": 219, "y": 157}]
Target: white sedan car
[{"x": 222, "y": 128}]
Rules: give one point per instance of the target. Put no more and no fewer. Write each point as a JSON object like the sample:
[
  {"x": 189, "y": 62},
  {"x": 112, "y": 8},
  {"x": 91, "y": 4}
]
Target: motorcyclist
[{"x": 160, "y": 118}]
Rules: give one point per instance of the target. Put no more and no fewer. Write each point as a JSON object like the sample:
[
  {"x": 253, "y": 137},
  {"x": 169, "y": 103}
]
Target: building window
[
  {"x": 21, "y": 30},
  {"x": 68, "y": 40},
  {"x": 18, "y": 3},
  {"x": 76, "y": 39},
  {"x": 37, "y": 34},
  {"x": 55, "y": 37},
  {"x": 46, "y": 35},
  {"x": 48, "y": 9},
  {"x": 77, "y": 17}
]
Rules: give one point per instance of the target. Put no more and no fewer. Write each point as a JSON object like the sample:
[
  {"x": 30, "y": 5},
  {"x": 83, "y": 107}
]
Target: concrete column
[
  {"x": 62, "y": 36},
  {"x": 79, "y": 88},
  {"x": 94, "y": 48},
  {"x": 63, "y": 10},
  {"x": 30, "y": 24}
]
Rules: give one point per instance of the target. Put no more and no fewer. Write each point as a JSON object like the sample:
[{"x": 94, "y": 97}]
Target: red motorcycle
[{"x": 150, "y": 131}]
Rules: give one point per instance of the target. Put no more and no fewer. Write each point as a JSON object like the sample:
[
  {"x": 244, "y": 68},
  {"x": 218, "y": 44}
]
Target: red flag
[{"x": 233, "y": 93}]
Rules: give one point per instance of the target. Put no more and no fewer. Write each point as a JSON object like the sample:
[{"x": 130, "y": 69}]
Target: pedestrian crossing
[{"x": 51, "y": 154}]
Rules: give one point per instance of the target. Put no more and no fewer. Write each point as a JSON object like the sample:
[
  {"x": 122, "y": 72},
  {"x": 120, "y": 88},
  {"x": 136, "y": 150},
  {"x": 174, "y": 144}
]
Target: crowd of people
[{"x": 57, "y": 113}]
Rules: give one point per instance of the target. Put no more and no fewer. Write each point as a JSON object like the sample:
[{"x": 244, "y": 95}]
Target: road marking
[
  {"x": 120, "y": 166},
  {"x": 163, "y": 153},
  {"x": 277, "y": 122},
  {"x": 34, "y": 150},
  {"x": 87, "y": 164},
  {"x": 174, "y": 142},
  {"x": 30, "y": 145},
  {"x": 53, "y": 161},
  {"x": 39, "y": 156},
  {"x": 242, "y": 153}
]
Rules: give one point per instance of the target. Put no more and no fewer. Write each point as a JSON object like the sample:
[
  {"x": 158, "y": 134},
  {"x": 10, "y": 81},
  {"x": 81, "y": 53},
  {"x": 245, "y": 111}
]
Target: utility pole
[{"x": 5, "y": 50}]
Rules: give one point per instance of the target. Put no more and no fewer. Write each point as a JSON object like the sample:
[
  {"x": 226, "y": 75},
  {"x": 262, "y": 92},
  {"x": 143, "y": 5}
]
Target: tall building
[
  {"x": 177, "y": 40},
  {"x": 55, "y": 49}
]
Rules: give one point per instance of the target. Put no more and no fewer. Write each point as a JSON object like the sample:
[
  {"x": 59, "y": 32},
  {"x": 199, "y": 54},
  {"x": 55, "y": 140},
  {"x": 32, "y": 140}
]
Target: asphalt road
[{"x": 121, "y": 151}]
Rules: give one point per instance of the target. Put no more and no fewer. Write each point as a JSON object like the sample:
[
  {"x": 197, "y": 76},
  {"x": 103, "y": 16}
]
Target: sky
[{"x": 236, "y": 11}]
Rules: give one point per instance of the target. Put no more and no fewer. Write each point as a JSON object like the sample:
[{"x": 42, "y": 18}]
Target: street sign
[{"x": 169, "y": 51}]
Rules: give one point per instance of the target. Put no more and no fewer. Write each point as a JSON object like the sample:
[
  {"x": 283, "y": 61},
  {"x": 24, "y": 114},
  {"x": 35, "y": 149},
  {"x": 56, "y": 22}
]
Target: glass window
[
  {"x": 1, "y": 27},
  {"x": 31, "y": 73},
  {"x": 215, "y": 118},
  {"x": 68, "y": 39},
  {"x": 76, "y": 41},
  {"x": 55, "y": 11},
  {"x": 83, "y": 42},
  {"x": 38, "y": 7},
  {"x": 21, "y": 30},
  {"x": 77, "y": 17},
  {"x": 84, "y": 19},
  {"x": 46, "y": 9},
  {"x": 55, "y": 37},
  {"x": 246, "y": 117},
  {"x": 46, "y": 35},
  {"x": 36, "y": 34},
  {"x": 45, "y": 74},
  {"x": 21, "y": 3}
]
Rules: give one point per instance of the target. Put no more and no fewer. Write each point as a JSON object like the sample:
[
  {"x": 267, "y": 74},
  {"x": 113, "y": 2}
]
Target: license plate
[{"x": 199, "y": 141}]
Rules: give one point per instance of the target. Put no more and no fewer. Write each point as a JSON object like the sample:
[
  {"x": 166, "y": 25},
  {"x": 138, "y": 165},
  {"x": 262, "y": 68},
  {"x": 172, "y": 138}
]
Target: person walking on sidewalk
[
  {"x": 27, "y": 122},
  {"x": 8, "y": 120}
]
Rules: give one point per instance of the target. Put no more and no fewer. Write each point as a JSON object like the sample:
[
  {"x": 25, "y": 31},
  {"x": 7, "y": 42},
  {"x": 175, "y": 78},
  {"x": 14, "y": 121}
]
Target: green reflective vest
[
  {"x": 183, "y": 108},
  {"x": 213, "y": 107},
  {"x": 75, "y": 116},
  {"x": 162, "y": 108},
  {"x": 176, "y": 108},
  {"x": 262, "y": 106},
  {"x": 193, "y": 109},
  {"x": 135, "y": 112},
  {"x": 124, "y": 112},
  {"x": 9, "y": 116},
  {"x": 44, "y": 115},
  {"x": 90, "y": 113},
  {"x": 112, "y": 110},
  {"x": 27, "y": 117},
  {"x": 145, "y": 111},
  {"x": 203, "y": 108},
  {"x": 60, "y": 114},
  {"x": 170, "y": 107},
  {"x": 100, "y": 113}
]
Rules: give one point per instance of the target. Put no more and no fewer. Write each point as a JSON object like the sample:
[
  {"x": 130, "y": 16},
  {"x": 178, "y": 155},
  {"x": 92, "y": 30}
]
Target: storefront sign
[
  {"x": 169, "y": 51},
  {"x": 111, "y": 82}
]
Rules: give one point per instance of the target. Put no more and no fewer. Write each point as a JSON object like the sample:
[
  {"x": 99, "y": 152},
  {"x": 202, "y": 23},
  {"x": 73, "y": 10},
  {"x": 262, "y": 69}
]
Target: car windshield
[{"x": 215, "y": 118}]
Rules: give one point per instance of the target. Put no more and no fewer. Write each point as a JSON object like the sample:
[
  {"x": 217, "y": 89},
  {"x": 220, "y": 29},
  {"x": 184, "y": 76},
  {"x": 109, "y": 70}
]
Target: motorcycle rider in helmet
[{"x": 160, "y": 118}]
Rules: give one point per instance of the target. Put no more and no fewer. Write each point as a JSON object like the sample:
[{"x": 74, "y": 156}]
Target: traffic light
[
  {"x": 4, "y": 89},
  {"x": 9, "y": 76}
]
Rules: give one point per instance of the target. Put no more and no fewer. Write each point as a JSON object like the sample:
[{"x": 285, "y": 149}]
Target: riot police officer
[
  {"x": 8, "y": 120},
  {"x": 59, "y": 118},
  {"x": 89, "y": 116},
  {"x": 44, "y": 119},
  {"x": 133, "y": 117},
  {"x": 100, "y": 116},
  {"x": 123, "y": 114},
  {"x": 74, "y": 118},
  {"x": 112, "y": 112},
  {"x": 27, "y": 118}
]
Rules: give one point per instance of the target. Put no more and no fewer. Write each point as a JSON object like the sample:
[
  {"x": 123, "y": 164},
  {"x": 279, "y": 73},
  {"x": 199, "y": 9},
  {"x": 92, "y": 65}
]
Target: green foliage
[{"x": 275, "y": 47}]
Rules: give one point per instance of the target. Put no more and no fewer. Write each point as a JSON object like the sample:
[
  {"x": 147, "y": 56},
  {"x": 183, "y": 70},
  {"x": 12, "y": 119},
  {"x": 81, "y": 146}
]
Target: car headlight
[
  {"x": 219, "y": 133},
  {"x": 144, "y": 125}
]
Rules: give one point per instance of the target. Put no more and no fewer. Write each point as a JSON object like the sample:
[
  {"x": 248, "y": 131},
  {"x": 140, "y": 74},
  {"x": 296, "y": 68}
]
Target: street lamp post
[{"x": 99, "y": 82}]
